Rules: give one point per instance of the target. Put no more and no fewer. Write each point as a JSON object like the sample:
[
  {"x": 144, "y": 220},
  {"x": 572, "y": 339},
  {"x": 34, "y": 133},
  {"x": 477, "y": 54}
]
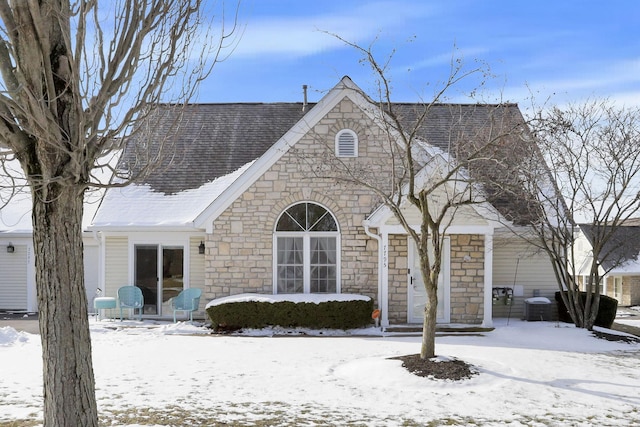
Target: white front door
[{"x": 417, "y": 294}]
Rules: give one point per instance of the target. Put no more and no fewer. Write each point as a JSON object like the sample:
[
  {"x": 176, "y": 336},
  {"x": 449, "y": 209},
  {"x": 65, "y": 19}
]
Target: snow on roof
[
  {"x": 15, "y": 216},
  {"x": 140, "y": 205},
  {"x": 15, "y": 196},
  {"x": 627, "y": 268},
  {"x": 310, "y": 298}
]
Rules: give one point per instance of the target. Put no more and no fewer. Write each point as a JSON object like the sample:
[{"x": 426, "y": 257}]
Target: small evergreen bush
[
  {"x": 606, "y": 311},
  {"x": 323, "y": 315}
]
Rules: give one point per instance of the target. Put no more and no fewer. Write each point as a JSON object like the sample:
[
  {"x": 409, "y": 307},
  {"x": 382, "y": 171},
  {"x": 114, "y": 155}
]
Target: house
[
  {"x": 618, "y": 261},
  {"x": 17, "y": 262},
  {"x": 244, "y": 207}
]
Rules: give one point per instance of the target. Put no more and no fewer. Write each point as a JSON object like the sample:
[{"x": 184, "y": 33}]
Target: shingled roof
[
  {"x": 446, "y": 125},
  {"x": 622, "y": 246},
  {"x": 214, "y": 140}
]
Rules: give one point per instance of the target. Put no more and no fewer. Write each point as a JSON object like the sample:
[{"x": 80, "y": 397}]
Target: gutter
[{"x": 144, "y": 228}]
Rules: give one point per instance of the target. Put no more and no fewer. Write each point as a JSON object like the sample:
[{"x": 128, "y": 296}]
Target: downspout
[
  {"x": 382, "y": 289},
  {"x": 102, "y": 251},
  {"x": 488, "y": 281}
]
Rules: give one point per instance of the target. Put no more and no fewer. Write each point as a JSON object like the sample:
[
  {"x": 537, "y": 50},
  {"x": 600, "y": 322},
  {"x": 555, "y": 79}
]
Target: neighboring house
[
  {"x": 242, "y": 211},
  {"x": 618, "y": 263}
]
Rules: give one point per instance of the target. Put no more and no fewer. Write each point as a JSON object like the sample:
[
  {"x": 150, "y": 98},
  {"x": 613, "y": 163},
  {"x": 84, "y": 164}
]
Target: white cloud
[
  {"x": 466, "y": 55},
  {"x": 304, "y": 35},
  {"x": 604, "y": 79}
]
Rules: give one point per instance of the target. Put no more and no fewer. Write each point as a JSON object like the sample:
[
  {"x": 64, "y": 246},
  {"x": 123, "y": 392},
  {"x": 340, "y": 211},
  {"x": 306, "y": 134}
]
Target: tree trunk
[
  {"x": 430, "y": 262},
  {"x": 69, "y": 386},
  {"x": 428, "y": 348}
]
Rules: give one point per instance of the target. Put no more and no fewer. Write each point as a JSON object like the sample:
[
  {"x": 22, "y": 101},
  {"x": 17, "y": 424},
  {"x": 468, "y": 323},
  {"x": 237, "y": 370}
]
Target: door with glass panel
[{"x": 159, "y": 272}]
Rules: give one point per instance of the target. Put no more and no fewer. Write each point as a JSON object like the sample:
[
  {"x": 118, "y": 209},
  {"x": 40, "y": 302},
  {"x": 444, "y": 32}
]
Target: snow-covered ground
[{"x": 530, "y": 374}]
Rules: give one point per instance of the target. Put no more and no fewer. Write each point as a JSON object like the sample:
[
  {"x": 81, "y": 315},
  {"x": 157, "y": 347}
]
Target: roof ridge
[{"x": 439, "y": 104}]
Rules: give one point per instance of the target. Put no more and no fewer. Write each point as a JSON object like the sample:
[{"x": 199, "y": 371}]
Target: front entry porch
[{"x": 465, "y": 282}]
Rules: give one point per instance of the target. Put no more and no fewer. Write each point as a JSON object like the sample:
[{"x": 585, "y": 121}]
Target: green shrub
[
  {"x": 606, "y": 311},
  {"x": 330, "y": 315}
]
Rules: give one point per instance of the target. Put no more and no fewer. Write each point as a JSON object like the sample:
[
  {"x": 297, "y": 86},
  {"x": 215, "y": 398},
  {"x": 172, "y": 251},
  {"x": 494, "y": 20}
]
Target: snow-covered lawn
[{"x": 531, "y": 373}]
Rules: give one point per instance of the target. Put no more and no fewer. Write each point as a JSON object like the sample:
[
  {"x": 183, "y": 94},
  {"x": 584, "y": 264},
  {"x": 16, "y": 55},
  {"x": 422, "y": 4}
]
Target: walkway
[{"x": 28, "y": 322}]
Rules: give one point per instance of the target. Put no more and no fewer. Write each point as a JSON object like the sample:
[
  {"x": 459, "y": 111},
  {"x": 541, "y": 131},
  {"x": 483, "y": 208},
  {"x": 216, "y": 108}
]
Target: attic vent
[{"x": 346, "y": 143}]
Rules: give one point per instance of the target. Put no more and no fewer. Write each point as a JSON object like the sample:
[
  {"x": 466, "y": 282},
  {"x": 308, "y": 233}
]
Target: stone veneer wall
[
  {"x": 609, "y": 284},
  {"x": 239, "y": 254},
  {"x": 625, "y": 298},
  {"x": 630, "y": 290},
  {"x": 633, "y": 290},
  {"x": 398, "y": 298},
  {"x": 467, "y": 278}
]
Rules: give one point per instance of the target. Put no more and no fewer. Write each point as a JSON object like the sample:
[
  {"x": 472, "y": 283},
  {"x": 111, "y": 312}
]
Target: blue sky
[{"x": 564, "y": 49}]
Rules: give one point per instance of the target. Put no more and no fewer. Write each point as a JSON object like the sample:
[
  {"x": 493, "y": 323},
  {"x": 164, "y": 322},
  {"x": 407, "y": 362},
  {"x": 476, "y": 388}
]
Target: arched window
[
  {"x": 346, "y": 143},
  {"x": 306, "y": 250}
]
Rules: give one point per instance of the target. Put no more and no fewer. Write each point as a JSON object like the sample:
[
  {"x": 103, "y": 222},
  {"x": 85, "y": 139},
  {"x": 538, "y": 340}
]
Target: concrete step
[{"x": 443, "y": 329}]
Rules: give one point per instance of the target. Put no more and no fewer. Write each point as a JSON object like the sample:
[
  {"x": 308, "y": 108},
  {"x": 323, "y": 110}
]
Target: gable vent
[{"x": 346, "y": 143}]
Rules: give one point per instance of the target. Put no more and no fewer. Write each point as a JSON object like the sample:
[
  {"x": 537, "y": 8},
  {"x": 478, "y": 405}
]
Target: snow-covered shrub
[
  {"x": 606, "y": 311},
  {"x": 330, "y": 314}
]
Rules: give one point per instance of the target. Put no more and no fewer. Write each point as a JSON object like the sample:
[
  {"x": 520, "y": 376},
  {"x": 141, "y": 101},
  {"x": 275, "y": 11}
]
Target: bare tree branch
[
  {"x": 593, "y": 176},
  {"x": 74, "y": 80},
  {"x": 437, "y": 180}
]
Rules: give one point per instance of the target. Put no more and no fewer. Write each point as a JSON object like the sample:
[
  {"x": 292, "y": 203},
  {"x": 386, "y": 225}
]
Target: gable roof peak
[{"x": 346, "y": 80}]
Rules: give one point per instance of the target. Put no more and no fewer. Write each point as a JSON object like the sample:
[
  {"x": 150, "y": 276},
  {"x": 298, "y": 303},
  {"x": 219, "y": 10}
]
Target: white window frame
[
  {"x": 338, "y": 145},
  {"x": 617, "y": 287},
  {"x": 306, "y": 258}
]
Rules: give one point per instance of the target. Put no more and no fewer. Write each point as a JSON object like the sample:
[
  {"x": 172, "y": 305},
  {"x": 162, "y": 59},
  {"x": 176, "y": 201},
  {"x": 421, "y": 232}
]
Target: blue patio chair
[
  {"x": 186, "y": 300},
  {"x": 130, "y": 297}
]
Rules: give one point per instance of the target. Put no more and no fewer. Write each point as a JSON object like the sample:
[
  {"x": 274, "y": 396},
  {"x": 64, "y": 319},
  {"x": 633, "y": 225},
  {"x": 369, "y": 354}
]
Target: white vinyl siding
[
  {"x": 196, "y": 270},
  {"x": 13, "y": 278},
  {"x": 116, "y": 265},
  {"x": 532, "y": 272},
  {"x": 196, "y": 264},
  {"x": 464, "y": 215},
  {"x": 91, "y": 278}
]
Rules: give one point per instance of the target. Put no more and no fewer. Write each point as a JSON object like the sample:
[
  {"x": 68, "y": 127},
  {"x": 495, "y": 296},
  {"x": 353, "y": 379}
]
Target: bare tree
[
  {"x": 587, "y": 170},
  {"x": 75, "y": 78},
  {"x": 436, "y": 177}
]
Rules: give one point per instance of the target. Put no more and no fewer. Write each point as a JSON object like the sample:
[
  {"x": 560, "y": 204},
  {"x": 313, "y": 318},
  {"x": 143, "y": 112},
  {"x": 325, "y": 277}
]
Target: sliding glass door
[{"x": 159, "y": 272}]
